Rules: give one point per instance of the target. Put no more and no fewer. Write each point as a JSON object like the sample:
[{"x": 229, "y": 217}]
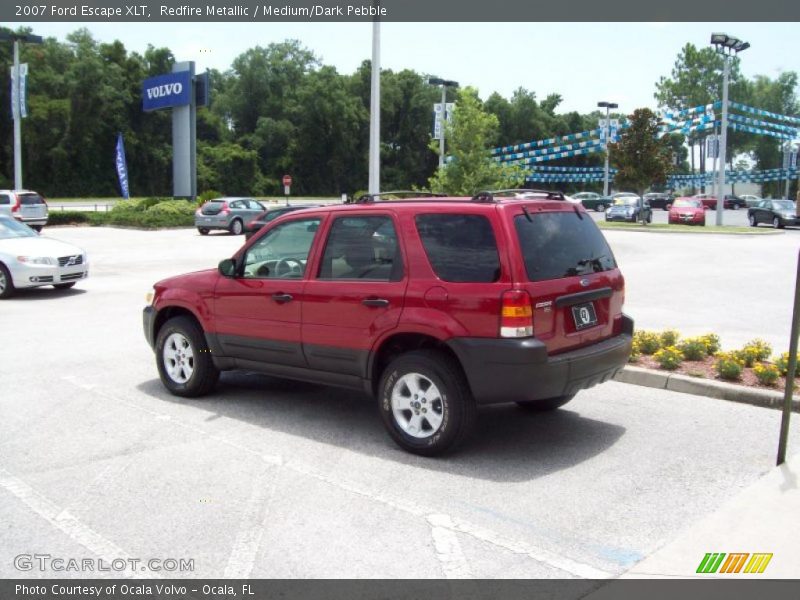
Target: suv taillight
[
  {"x": 15, "y": 208},
  {"x": 516, "y": 315}
]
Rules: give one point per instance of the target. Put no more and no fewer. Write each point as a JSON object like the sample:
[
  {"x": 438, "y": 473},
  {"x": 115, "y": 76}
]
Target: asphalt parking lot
[{"x": 269, "y": 478}]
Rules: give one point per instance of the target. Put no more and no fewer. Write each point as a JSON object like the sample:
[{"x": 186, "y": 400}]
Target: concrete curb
[{"x": 703, "y": 387}]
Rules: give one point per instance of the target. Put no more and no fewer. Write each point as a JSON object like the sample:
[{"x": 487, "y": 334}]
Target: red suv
[{"x": 434, "y": 305}]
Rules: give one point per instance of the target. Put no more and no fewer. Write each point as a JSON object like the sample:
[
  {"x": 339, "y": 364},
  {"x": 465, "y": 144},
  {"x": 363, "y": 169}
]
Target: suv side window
[
  {"x": 460, "y": 248},
  {"x": 362, "y": 248},
  {"x": 283, "y": 252},
  {"x": 5, "y": 199}
]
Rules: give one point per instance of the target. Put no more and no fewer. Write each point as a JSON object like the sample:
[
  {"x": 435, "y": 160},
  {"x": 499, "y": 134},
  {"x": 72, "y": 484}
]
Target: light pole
[
  {"x": 445, "y": 84},
  {"x": 16, "y": 101},
  {"x": 608, "y": 106},
  {"x": 726, "y": 45},
  {"x": 375, "y": 112}
]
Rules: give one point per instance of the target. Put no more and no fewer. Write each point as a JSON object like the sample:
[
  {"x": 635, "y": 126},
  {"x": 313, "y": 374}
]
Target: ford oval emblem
[{"x": 585, "y": 282}]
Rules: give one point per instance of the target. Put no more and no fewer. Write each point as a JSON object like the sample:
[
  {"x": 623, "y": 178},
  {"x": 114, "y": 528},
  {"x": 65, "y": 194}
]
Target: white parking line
[
  {"x": 251, "y": 530},
  {"x": 68, "y": 524},
  {"x": 448, "y": 550}
]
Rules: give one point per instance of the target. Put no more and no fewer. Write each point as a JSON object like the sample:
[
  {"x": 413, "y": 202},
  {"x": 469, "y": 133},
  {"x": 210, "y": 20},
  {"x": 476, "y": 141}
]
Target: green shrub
[
  {"x": 693, "y": 348},
  {"x": 68, "y": 217},
  {"x": 208, "y": 195},
  {"x": 669, "y": 337},
  {"x": 711, "y": 340},
  {"x": 669, "y": 358},
  {"x": 782, "y": 364},
  {"x": 729, "y": 366},
  {"x": 767, "y": 373},
  {"x": 648, "y": 341},
  {"x": 754, "y": 351},
  {"x": 636, "y": 353}
]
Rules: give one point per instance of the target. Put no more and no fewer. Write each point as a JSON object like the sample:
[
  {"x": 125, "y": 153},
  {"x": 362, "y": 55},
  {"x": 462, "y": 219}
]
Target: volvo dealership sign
[{"x": 164, "y": 91}]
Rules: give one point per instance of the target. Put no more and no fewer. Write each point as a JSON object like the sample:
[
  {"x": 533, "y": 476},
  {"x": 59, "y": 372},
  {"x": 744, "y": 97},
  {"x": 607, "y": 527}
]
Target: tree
[
  {"x": 470, "y": 167},
  {"x": 696, "y": 80},
  {"x": 641, "y": 156}
]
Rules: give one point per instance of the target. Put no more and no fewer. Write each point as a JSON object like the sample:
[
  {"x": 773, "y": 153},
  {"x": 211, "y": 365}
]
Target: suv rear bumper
[{"x": 522, "y": 371}]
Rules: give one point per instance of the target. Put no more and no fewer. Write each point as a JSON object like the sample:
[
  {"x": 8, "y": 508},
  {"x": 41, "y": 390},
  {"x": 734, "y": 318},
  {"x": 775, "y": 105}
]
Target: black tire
[
  {"x": 650, "y": 217},
  {"x": 454, "y": 402},
  {"x": 545, "y": 405},
  {"x": 37, "y": 228},
  {"x": 64, "y": 286},
  {"x": 735, "y": 206},
  {"x": 7, "y": 288},
  {"x": 600, "y": 207},
  {"x": 203, "y": 230},
  {"x": 236, "y": 227},
  {"x": 777, "y": 223},
  {"x": 204, "y": 374},
  {"x": 752, "y": 219},
  {"x": 667, "y": 206}
]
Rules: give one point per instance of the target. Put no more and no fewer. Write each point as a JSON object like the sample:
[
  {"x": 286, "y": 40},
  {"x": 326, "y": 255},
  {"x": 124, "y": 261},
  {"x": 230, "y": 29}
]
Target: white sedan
[{"x": 29, "y": 260}]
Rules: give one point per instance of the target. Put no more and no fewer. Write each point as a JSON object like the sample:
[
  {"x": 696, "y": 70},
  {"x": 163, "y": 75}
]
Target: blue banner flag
[{"x": 122, "y": 167}]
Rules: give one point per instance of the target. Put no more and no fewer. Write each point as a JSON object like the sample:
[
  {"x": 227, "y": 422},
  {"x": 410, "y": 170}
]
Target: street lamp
[
  {"x": 726, "y": 45},
  {"x": 445, "y": 84},
  {"x": 608, "y": 106},
  {"x": 17, "y": 100}
]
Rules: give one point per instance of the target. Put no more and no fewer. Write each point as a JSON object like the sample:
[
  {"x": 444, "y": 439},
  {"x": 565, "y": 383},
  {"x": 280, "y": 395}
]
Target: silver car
[
  {"x": 30, "y": 260},
  {"x": 227, "y": 213},
  {"x": 24, "y": 205}
]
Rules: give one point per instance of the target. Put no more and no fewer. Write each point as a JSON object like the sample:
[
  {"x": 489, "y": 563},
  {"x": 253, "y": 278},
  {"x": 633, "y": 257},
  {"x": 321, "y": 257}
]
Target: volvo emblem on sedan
[
  {"x": 585, "y": 282},
  {"x": 72, "y": 260}
]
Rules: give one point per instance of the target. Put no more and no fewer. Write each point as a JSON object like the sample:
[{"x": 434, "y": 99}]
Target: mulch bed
[{"x": 704, "y": 369}]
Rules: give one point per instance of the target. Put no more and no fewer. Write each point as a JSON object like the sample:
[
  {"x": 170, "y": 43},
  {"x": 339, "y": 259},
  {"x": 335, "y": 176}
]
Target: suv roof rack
[
  {"x": 489, "y": 196},
  {"x": 366, "y": 198}
]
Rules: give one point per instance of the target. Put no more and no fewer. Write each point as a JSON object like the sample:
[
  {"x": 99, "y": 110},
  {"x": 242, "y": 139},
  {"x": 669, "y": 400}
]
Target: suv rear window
[
  {"x": 562, "y": 244},
  {"x": 460, "y": 248},
  {"x": 27, "y": 199}
]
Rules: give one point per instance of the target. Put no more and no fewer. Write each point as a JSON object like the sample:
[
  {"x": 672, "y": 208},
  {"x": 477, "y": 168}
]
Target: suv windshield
[
  {"x": 27, "y": 199},
  {"x": 562, "y": 244}
]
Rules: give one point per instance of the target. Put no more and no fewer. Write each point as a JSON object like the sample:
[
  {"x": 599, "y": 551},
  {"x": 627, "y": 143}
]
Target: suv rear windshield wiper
[{"x": 594, "y": 262}]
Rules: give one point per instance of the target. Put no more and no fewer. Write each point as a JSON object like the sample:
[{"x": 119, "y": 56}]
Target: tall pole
[
  {"x": 608, "y": 151},
  {"x": 17, "y": 122},
  {"x": 441, "y": 130},
  {"x": 788, "y": 151},
  {"x": 375, "y": 112},
  {"x": 723, "y": 140}
]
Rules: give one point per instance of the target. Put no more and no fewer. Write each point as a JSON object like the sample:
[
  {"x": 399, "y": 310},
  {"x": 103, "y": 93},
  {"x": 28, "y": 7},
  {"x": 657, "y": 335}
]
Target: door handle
[
  {"x": 282, "y": 298},
  {"x": 378, "y": 302}
]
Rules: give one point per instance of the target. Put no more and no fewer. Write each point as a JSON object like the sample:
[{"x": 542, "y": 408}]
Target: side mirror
[{"x": 227, "y": 267}]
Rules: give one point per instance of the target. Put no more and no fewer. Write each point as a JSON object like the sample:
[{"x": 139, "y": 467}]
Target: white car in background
[
  {"x": 26, "y": 206},
  {"x": 30, "y": 260}
]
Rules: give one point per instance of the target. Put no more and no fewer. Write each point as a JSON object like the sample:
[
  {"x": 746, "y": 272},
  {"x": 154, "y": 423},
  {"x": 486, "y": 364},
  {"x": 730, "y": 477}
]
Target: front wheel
[
  {"x": 203, "y": 230},
  {"x": 184, "y": 359},
  {"x": 752, "y": 220},
  {"x": 425, "y": 402},
  {"x": 650, "y": 217},
  {"x": 37, "y": 228},
  {"x": 600, "y": 207},
  {"x": 6, "y": 283},
  {"x": 236, "y": 227},
  {"x": 735, "y": 207},
  {"x": 777, "y": 223},
  {"x": 545, "y": 405},
  {"x": 667, "y": 206},
  {"x": 64, "y": 286}
]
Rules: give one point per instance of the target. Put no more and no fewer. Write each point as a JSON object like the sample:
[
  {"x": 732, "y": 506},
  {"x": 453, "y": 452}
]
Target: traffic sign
[{"x": 287, "y": 180}]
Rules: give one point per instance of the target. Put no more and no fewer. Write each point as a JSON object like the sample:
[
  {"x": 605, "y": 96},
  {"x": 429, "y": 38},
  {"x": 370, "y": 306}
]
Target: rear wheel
[
  {"x": 203, "y": 230},
  {"x": 752, "y": 220},
  {"x": 6, "y": 283},
  {"x": 184, "y": 359},
  {"x": 735, "y": 206},
  {"x": 667, "y": 206},
  {"x": 36, "y": 227},
  {"x": 600, "y": 207},
  {"x": 545, "y": 405},
  {"x": 236, "y": 227},
  {"x": 425, "y": 402},
  {"x": 777, "y": 223},
  {"x": 649, "y": 217},
  {"x": 64, "y": 286}
]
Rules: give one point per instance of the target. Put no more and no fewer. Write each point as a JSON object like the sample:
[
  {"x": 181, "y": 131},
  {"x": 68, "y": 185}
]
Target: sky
[{"x": 584, "y": 62}]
